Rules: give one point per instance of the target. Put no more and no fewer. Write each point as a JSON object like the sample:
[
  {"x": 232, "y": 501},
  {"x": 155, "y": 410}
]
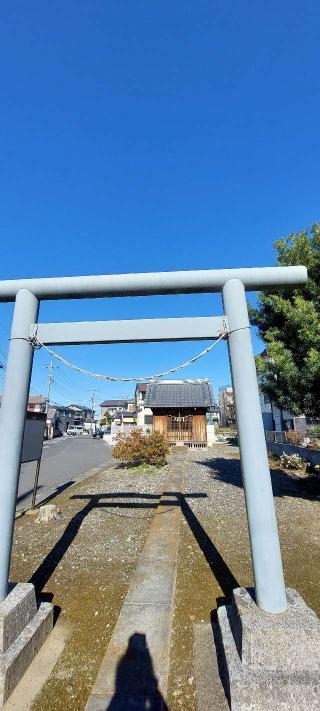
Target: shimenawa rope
[{"x": 37, "y": 344}]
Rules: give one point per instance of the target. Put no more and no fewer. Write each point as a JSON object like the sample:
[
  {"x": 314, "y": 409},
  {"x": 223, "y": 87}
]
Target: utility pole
[
  {"x": 51, "y": 368},
  {"x": 93, "y": 404}
]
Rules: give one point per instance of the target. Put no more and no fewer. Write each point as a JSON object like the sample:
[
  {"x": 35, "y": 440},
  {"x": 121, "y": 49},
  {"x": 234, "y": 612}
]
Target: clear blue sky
[{"x": 143, "y": 136}]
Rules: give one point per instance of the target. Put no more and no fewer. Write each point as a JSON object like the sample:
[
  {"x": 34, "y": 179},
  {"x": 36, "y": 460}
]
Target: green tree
[{"x": 289, "y": 324}]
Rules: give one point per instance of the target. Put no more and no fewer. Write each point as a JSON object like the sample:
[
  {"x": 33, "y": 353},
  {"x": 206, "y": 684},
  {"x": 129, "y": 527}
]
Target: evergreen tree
[{"x": 289, "y": 324}]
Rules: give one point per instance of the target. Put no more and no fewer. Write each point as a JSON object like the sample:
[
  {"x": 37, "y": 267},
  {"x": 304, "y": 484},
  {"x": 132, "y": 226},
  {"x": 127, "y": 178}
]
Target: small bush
[
  {"x": 314, "y": 443},
  {"x": 313, "y": 469},
  {"x": 292, "y": 461},
  {"x": 295, "y": 438},
  {"x": 137, "y": 448},
  {"x": 314, "y": 431}
]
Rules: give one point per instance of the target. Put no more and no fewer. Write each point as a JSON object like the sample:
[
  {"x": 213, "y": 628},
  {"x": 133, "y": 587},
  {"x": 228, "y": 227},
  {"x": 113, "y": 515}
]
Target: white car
[{"x": 75, "y": 430}]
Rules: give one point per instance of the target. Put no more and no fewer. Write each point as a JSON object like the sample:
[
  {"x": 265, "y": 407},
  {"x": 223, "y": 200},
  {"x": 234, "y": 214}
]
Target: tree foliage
[{"x": 289, "y": 324}]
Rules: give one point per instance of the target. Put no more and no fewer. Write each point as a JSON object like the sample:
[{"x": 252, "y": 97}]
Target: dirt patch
[
  {"x": 84, "y": 564},
  {"x": 214, "y": 554}
]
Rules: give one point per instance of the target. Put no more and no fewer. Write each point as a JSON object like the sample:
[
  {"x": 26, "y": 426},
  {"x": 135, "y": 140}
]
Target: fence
[
  {"x": 276, "y": 437},
  {"x": 311, "y": 455},
  {"x": 124, "y": 429}
]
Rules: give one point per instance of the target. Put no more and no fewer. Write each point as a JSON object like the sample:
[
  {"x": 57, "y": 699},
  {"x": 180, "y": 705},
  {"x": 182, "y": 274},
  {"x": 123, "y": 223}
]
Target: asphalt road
[{"x": 64, "y": 461}]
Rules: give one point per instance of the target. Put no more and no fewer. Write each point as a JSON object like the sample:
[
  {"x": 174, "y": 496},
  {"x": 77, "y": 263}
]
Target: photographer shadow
[{"x": 136, "y": 686}]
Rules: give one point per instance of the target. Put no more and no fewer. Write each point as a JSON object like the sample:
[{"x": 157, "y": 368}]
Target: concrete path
[
  {"x": 210, "y": 694},
  {"x": 134, "y": 671},
  {"x": 64, "y": 461}
]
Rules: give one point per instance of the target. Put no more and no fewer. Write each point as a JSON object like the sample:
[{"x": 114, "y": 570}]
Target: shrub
[
  {"x": 105, "y": 421},
  {"x": 273, "y": 457},
  {"x": 137, "y": 448},
  {"x": 292, "y": 461},
  {"x": 314, "y": 443},
  {"x": 294, "y": 437},
  {"x": 314, "y": 431},
  {"x": 313, "y": 469}
]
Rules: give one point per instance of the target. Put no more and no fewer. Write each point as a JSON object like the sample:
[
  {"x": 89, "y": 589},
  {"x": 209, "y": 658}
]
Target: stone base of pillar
[
  {"x": 269, "y": 661},
  {"x": 23, "y": 630}
]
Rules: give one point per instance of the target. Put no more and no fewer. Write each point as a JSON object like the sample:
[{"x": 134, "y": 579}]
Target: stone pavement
[{"x": 134, "y": 672}]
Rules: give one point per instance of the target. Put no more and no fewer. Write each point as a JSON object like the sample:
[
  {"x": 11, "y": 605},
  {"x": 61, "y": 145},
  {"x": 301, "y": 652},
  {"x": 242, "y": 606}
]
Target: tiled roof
[
  {"x": 34, "y": 400},
  {"x": 185, "y": 394},
  {"x": 74, "y": 407},
  {"x": 115, "y": 403},
  {"x": 141, "y": 387}
]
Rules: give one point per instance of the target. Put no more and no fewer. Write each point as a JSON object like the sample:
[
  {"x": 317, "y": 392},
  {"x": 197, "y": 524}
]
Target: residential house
[
  {"x": 144, "y": 416},
  {"x": 112, "y": 407},
  {"x": 277, "y": 420},
  {"x": 53, "y": 424},
  {"x": 179, "y": 409},
  {"x": 124, "y": 417},
  {"x": 214, "y": 415},
  {"x": 36, "y": 403},
  {"x": 77, "y": 415},
  {"x": 226, "y": 406},
  {"x": 60, "y": 417}
]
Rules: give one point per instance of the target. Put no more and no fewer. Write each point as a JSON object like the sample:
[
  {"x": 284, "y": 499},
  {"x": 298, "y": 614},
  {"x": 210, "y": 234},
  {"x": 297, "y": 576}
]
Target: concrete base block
[
  {"x": 23, "y": 630},
  {"x": 269, "y": 661}
]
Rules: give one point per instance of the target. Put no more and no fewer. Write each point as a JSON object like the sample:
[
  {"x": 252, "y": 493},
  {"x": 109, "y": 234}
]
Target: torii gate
[{"x": 264, "y": 539}]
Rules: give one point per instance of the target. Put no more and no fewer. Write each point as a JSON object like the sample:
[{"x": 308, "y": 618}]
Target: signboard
[{"x": 33, "y": 436}]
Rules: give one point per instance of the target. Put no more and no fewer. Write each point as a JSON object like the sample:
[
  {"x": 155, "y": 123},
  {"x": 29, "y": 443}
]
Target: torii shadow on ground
[
  {"x": 136, "y": 685},
  {"x": 219, "y": 568}
]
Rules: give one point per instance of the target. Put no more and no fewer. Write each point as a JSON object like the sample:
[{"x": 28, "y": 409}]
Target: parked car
[
  {"x": 97, "y": 434},
  {"x": 74, "y": 430}
]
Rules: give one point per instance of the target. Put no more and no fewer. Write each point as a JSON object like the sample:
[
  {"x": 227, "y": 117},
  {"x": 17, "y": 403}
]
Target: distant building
[
  {"x": 213, "y": 415},
  {"x": 60, "y": 417},
  {"x": 36, "y": 403},
  {"x": 111, "y": 407},
  {"x": 124, "y": 417},
  {"x": 226, "y": 406},
  {"x": 179, "y": 409},
  {"x": 144, "y": 416},
  {"x": 277, "y": 420}
]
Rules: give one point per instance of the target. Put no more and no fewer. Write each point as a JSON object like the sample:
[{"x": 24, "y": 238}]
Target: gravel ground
[
  {"x": 214, "y": 554},
  {"x": 84, "y": 563}
]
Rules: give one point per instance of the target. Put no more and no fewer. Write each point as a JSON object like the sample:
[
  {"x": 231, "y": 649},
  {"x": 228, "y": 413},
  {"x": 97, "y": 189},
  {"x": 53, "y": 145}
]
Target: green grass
[{"x": 145, "y": 469}]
